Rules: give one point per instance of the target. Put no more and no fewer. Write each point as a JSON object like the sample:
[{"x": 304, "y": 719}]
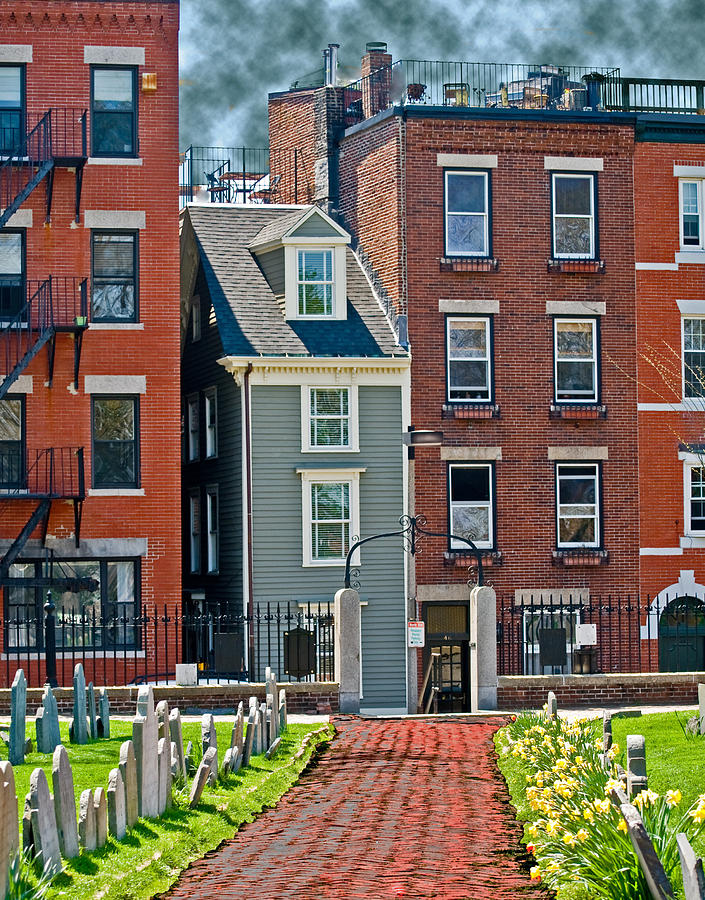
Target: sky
[{"x": 234, "y": 52}]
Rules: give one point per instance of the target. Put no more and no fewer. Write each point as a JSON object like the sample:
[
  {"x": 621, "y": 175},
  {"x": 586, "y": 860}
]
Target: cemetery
[{"x": 117, "y": 807}]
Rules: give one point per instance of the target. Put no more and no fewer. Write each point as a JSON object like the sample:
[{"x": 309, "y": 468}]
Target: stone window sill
[
  {"x": 577, "y": 266},
  {"x": 468, "y": 264},
  {"x": 580, "y": 556},
  {"x": 470, "y": 411},
  {"x": 577, "y": 411},
  {"x": 462, "y": 560}
]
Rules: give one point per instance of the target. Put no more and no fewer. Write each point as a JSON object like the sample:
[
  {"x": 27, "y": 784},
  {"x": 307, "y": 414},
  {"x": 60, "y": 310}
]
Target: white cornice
[{"x": 299, "y": 370}]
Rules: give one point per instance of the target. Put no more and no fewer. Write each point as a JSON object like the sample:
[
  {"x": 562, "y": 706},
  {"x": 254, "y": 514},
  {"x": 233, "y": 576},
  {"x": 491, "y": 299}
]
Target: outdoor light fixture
[{"x": 422, "y": 437}]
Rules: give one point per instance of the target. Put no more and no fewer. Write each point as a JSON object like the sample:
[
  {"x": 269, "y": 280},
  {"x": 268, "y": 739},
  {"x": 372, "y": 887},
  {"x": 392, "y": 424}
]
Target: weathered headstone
[
  {"x": 238, "y": 729},
  {"x": 606, "y": 731},
  {"x": 18, "y": 709},
  {"x": 163, "y": 719},
  {"x": 144, "y": 738},
  {"x": 128, "y": 770},
  {"x": 164, "y": 769},
  {"x": 227, "y": 762},
  {"x": 92, "y": 716},
  {"x": 273, "y": 747},
  {"x": 117, "y": 810},
  {"x": 235, "y": 761},
  {"x": 271, "y": 689},
  {"x": 636, "y": 764},
  {"x": 282, "y": 710},
  {"x": 9, "y": 832},
  {"x": 656, "y": 878},
  {"x": 551, "y": 706},
  {"x": 79, "y": 726},
  {"x": 209, "y": 738},
  {"x": 701, "y": 707},
  {"x": 262, "y": 728},
  {"x": 177, "y": 738},
  {"x": 103, "y": 713},
  {"x": 270, "y": 729},
  {"x": 175, "y": 764},
  {"x": 101, "y": 817},
  {"x": 39, "y": 823},
  {"x": 47, "y": 723},
  {"x": 64, "y": 803},
  {"x": 202, "y": 776},
  {"x": 249, "y": 737},
  {"x": 188, "y": 759},
  {"x": 86, "y": 821},
  {"x": 692, "y": 870}
]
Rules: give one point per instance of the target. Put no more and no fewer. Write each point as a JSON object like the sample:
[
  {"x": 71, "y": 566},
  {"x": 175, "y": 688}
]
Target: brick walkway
[{"x": 396, "y": 808}]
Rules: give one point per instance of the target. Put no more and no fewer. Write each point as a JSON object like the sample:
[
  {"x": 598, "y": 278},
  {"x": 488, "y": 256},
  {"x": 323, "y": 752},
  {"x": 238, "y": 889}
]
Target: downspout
[{"x": 250, "y": 552}]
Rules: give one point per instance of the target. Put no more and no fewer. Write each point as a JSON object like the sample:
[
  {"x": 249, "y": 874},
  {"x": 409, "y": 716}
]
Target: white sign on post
[
  {"x": 586, "y": 634},
  {"x": 416, "y": 632}
]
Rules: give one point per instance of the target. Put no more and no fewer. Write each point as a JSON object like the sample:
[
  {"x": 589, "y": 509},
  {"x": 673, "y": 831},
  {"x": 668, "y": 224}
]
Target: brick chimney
[{"x": 376, "y": 84}]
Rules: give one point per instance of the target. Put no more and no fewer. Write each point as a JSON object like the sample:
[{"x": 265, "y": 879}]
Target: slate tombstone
[
  {"x": 47, "y": 723},
  {"x": 282, "y": 710},
  {"x": 209, "y": 739},
  {"x": 249, "y": 737},
  {"x": 128, "y": 770},
  {"x": 39, "y": 829},
  {"x": 176, "y": 771},
  {"x": 551, "y": 706},
  {"x": 18, "y": 708},
  {"x": 636, "y": 764},
  {"x": 103, "y": 713},
  {"x": 101, "y": 817},
  {"x": 163, "y": 719},
  {"x": 188, "y": 759},
  {"x": 86, "y": 821},
  {"x": 651, "y": 866},
  {"x": 78, "y": 729},
  {"x": 144, "y": 738},
  {"x": 177, "y": 738},
  {"x": 64, "y": 803},
  {"x": 202, "y": 776},
  {"x": 606, "y": 731},
  {"x": 92, "y": 717},
  {"x": 117, "y": 809},
  {"x": 701, "y": 707},
  {"x": 691, "y": 869},
  {"x": 273, "y": 747},
  {"x": 9, "y": 832},
  {"x": 164, "y": 771}
]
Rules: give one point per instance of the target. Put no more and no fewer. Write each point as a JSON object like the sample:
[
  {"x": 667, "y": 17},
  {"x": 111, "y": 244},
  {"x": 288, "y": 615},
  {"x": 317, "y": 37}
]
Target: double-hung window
[
  {"x": 694, "y": 358},
  {"x": 209, "y": 397},
  {"x": 315, "y": 282},
  {"x": 212, "y": 524},
  {"x": 471, "y": 505},
  {"x": 467, "y": 228},
  {"x": 12, "y": 465},
  {"x": 329, "y": 418},
  {"x": 575, "y": 360},
  {"x": 12, "y": 273},
  {"x": 468, "y": 348},
  {"x": 578, "y": 506},
  {"x": 193, "y": 436},
  {"x": 695, "y": 499},
  {"x": 331, "y": 514},
  {"x": 11, "y": 108},
  {"x": 114, "y": 282},
  {"x": 691, "y": 213},
  {"x": 114, "y": 111},
  {"x": 115, "y": 442},
  {"x": 194, "y": 518},
  {"x": 573, "y": 199}
]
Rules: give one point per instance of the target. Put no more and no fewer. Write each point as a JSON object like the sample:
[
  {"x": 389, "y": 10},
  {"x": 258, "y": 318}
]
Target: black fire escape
[{"x": 32, "y": 314}]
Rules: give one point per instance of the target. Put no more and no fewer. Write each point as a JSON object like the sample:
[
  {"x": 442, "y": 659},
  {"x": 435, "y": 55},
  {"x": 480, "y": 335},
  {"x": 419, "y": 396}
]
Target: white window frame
[
  {"x": 213, "y": 536},
  {"x": 483, "y": 504},
  {"x": 698, "y": 182},
  {"x": 194, "y": 513},
  {"x": 485, "y": 252},
  {"x": 488, "y": 358},
  {"x": 595, "y": 370},
  {"x": 701, "y": 395},
  {"x": 353, "y": 445},
  {"x": 195, "y": 319},
  {"x": 578, "y": 464},
  {"x": 210, "y": 405},
  {"x": 587, "y": 176},
  {"x": 337, "y": 248},
  {"x": 310, "y": 477},
  {"x": 193, "y": 429}
]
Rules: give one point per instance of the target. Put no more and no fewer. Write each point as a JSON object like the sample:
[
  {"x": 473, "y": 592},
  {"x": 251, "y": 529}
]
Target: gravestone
[
  {"x": 202, "y": 776},
  {"x": 691, "y": 869},
  {"x": 249, "y": 737},
  {"x": 282, "y": 710},
  {"x": 227, "y": 762},
  {"x": 239, "y": 728},
  {"x": 78, "y": 729},
  {"x": 117, "y": 810},
  {"x": 101, "y": 817},
  {"x": 9, "y": 831},
  {"x": 128, "y": 770},
  {"x": 39, "y": 823},
  {"x": 235, "y": 761},
  {"x": 164, "y": 770},
  {"x": 701, "y": 707},
  {"x": 175, "y": 764},
  {"x": 656, "y": 878},
  {"x": 64, "y": 803},
  {"x": 262, "y": 727},
  {"x": 209, "y": 738},
  {"x": 18, "y": 709},
  {"x": 177, "y": 738},
  {"x": 163, "y": 719},
  {"x": 636, "y": 764},
  {"x": 188, "y": 758},
  {"x": 86, "y": 821},
  {"x": 92, "y": 717},
  {"x": 552, "y": 706},
  {"x": 270, "y": 729},
  {"x": 47, "y": 723},
  {"x": 273, "y": 747},
  {"x": 606, "y": 731},
  {"x": 271, "y": 688},
  {"x": 144, "y": 738},
  {"x": 103, "y": 713}
]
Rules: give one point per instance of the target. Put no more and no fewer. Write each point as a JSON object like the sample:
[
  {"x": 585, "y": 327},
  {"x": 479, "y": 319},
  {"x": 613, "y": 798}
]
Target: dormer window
[{"x": 315, "y": 282}]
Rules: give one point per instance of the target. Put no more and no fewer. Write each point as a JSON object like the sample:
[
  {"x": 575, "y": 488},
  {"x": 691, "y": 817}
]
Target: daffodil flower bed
[{"x": 577, "y": 835}]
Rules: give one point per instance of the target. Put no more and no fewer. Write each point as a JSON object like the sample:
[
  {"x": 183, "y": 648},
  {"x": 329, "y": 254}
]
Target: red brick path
[{"x": 395, "y": 808}]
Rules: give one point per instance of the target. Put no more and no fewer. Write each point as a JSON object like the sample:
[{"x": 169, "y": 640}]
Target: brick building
[{"x": 89, "y": 339}]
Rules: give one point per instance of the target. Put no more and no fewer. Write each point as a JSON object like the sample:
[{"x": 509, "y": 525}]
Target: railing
[
  {"x": 242, "y": 175},
  {"x": 51, "y": 472},
  {"x": 69, "y": 133},
  {"x": 630, "y": 634},
  {"x": 117, "y": 648},
  {"x": 662, "y": 95}
]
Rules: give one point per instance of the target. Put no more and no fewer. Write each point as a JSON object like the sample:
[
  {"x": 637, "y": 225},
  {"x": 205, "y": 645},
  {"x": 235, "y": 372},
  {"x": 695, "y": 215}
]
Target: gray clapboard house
[{"x": 296, "y": 394}]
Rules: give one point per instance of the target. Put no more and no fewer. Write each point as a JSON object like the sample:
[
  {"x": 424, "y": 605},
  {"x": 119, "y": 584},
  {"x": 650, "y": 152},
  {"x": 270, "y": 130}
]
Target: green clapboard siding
[{"x": 278, "y": 553}]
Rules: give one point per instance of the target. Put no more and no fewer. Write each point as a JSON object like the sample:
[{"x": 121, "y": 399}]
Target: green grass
[{"x": 155, "y": 851}]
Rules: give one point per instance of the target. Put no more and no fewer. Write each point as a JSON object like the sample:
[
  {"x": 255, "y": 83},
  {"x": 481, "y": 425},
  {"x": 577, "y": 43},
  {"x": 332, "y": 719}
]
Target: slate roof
[{"x": 250, "y": 320}]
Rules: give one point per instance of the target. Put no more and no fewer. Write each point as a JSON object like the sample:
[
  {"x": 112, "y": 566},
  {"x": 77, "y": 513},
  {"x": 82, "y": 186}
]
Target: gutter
[{"x": 250, "y": 551}]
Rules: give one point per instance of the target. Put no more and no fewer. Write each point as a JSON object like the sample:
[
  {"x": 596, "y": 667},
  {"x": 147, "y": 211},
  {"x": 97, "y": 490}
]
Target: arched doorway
[{"x": 681, "y": 636}]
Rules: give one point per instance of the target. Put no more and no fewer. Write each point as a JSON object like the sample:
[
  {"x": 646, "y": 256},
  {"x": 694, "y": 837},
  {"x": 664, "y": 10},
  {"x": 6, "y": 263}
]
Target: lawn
[{"x": 153, "y": 853}]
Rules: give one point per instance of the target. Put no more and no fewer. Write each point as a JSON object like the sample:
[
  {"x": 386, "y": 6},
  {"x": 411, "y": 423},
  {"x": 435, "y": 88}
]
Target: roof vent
[{"x": 376, "y": 47}]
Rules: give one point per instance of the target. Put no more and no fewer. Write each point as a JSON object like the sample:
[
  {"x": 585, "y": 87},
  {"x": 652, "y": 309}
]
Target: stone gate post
[
  {"x": 483, "y": 648},
  {"x": 347, "y": 649}
]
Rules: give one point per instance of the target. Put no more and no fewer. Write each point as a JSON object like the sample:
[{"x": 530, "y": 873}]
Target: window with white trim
[
  {"x": 575, "y": 360},
  {"x": 193, "y": 428},
  {"x": 194, "y": 507},
  {"x": 471, "y": 511},
  {"x": 331, "y": 514},
  {"x": 212, "y": 524},
  {"x": 691, "y": 213},
  {"x": 573, "y": 214},
  {"x": 210, "y": 400},
  {"x": 468, "y": 347},
  {"x": 329, "y": 419},
  {"x": 578, "y": 504},
  {"x": 315, "y": 282},
  {"x": 467, "y": 231},
  {"x": 695, "y": 499},
  {"x": 694, "y": 358}
]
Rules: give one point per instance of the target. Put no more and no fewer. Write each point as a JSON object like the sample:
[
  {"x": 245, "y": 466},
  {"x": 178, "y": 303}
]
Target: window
[
  {"x": 696, "y": 499},
  {"x": 115, "y": 442},
  {"x": 12, "y": 465},
  {"x": 315, "y": 282},
  {"x": 212, "y": 521},
  {"x": 328, "y": 415},
  {"x": 694, "y": 358},
  {"x": 691, "y": 203},
  {"x": 468, "y": 348},
  {"x": 578, "y": 505},
  {"x": 194, "y": 512},
  {"x": 193, "y": 428},
  {"x": 466, "y": 214},
  {"x": 114, "y": 297},
  {"x": 331, "y": 504},
  {"x": 196, "y": 319},
  {"x": 211, "y": 423},
  {"x": 575, "y": 360},
  {"x": 12, "y": 273},
  {"x": 12, "y": 130},
  {"x": 471, "y": 511},
  {"x": 114, "y": 111},
  {"x": 574, "y": 216}
]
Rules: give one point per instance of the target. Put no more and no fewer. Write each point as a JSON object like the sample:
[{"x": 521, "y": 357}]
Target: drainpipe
[{"x": 250, "y": 556}]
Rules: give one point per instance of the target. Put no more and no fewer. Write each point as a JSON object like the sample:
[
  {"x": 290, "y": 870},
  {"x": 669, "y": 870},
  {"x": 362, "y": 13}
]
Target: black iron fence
[{"x": 601, "y": 634}]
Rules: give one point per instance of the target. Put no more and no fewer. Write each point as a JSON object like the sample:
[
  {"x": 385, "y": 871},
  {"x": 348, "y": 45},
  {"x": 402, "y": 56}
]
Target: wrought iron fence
[{"x": 601, "y": 635}]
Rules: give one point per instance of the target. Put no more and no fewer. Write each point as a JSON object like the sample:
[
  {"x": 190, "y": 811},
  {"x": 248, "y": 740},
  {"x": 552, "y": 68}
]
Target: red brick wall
[
  {"x": 60, "y": 416},
  {"x": 599, "y": 690}
]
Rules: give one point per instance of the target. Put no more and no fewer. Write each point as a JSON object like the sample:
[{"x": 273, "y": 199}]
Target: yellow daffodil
[
  {"x": 622, "y": 825},
  {"x": 582, "y": 835},
  {"x": 673, "y": 798}
]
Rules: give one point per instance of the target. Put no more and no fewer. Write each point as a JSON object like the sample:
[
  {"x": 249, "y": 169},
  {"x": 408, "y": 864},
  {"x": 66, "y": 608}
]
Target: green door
[{"x": 681, "y": 636}]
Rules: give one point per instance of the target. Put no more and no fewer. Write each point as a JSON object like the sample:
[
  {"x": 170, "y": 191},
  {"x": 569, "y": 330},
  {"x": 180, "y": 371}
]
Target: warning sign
[{"x": 416, "y": 632}]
